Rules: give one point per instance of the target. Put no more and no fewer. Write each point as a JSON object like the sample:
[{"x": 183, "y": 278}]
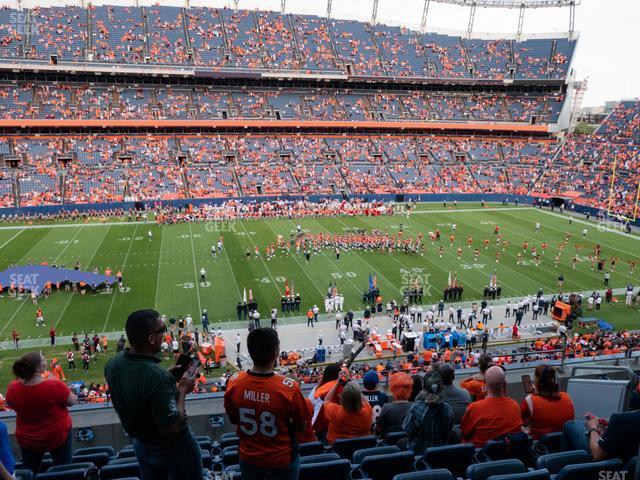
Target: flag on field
[
  {"x": 375, "y": 281},
  {"x": 244, "y": 295},
  {"x": 449, "y": 280},
  {"x": 370, "y": 282},
  {"x": 250, "y": 294},
  {"x": 287, "y": 292},
  {"x": 455, "y": 279},
  {"x": 493, "y": 279}
]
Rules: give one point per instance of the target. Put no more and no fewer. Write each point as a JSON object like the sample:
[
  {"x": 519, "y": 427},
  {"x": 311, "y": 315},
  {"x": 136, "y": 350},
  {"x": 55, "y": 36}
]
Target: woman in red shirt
[{"x": 43, "y": 423}]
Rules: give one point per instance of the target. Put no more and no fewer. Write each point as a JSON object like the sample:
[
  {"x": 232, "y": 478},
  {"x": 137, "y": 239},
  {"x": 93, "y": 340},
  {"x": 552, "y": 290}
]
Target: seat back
[
  {"x": 111, "y": 472},
  {"x": 109, "y": 450},
  {"x": 532, "y": 475},
  {"x": 322, "y": 457},
  {"x": 455, "y": 458},
  {"x": 127, "y": 453},
  {"x": 229, "y": 441},
  {"x": 551, "y": 442},
  {"x": 554, "y": 462},
  {"x": 76, "y": 474},
  {"x": 346, "y": 446},
  {"x": 385, "y": 467},
  {"x": 393, "y": 437},
  {"x": 589, "y": 471},
  {"x": 482, "y": 471},
  {"x": 335, "y": 470},
  {"x": 513, "y": 445},
  {"x": 359, "y": 455},
  {"x": 437, "y": 474},
  {"x": 69, "y": 466},
  {"x": 310, "y": 448},
  {"x": 230, "y": 457},
  {"x": 99, "y": 459}
]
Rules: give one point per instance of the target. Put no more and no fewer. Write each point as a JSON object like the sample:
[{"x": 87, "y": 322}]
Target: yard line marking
[
  {"x": 116, "y": 290},
  {"x": 462, "y": 210},
  {"x": 9, "y": 241},
  {"x": 195, "y": 269},
  {"x": 155, "y": 305},
  {"x": 54, "y": 261},
  {"x": 233, "y": 274},
  {"x": 71, "y": 296},
  {"x": 593, "y": 223},
  {"x": 261, "y": 258}
]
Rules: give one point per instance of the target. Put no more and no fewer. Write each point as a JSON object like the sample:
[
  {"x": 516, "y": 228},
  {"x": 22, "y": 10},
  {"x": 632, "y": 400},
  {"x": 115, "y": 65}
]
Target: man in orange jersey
[
  {"x": 269, "y": 411},
  {"x": 476, "y": 385}
]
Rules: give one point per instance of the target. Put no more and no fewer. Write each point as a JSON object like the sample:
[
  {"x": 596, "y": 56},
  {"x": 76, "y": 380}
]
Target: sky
[{"x": 608, "y": 51}]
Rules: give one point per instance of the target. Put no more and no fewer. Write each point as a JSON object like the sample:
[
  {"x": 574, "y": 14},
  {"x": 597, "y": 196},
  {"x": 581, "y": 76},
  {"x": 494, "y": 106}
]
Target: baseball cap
[
  {"x": 370, "y": 380},
  {"x": 433, "y": 386}
]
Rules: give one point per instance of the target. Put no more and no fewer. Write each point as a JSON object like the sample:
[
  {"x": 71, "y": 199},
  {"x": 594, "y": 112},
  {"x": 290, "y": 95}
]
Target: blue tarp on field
[{"x": 34, "y": 277}]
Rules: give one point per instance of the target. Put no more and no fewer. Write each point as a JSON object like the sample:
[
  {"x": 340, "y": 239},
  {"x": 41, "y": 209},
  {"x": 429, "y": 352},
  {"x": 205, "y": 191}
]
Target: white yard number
[
  {"x": 413, "y": 270},
  {"x": 67, "y": 242},
  {"x": 265, "y": 280},
  {"x": 186, "y": 285},
  {"x": 280, "y": 279},
  {"x": 477, "y": 266},
  {"x": 346, "y": 274},
  {"x": 249, "y": 425}
]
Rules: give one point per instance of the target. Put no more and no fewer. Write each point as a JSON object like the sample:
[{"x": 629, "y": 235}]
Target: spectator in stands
[
  {"x": 347, "y": 412},
  {"x": 375, "y": 397},
  {"x": 476, "y": 385},
  {"x": 496, "y": 415},
  {"x": 619, "y": 437},
  {"x": 457, "y": 398},
  {"x": 7, "y": 460},
  {"x": 268, "y": 409},
  {"x": 150, "y": 404},
  {"x": 43, "y": 423},
  {"x": 429, "y": 421},
  {"x": 546, "y": 410},
  {"x": 393, "y": 413}
]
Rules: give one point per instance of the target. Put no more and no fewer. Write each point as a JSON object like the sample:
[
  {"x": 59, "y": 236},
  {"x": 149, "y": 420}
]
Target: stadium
[{"x": 382, "y": 204}]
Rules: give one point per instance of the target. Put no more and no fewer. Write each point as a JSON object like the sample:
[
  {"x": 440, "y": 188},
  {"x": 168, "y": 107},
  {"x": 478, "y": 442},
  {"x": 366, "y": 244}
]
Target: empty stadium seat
[
  {"x": 113, "y": 472},
  {"x": 230, "y": 457},
  {"x": 75, "y": 474},
  {"x": 70, "y": 466},
  {"x": 346, "y": 446},
  {"x": 482, "y": 471},
  {"x": 359, "y": 455},
  {"x": 455, "y": 458},
  {"x": 99, "y": 459},
  {"x": 204, "y": 441},
  {"x": 109, "y": 450},
  {"x": 589, "y": 471},
  {"x": 322, "y": 457},
  {"x": 23, "y": 474},
  {"x": 385, "y": 467},
  {"x": 335, "y": 470},
  {"x": 229, "y": 441},
  {"x": 393, "y": 437},
  {"x": 550, "y": 442},
  {"x": 517, "y": 446},
  {"x": 437, "y": 474},
  {"x": 532, "y": 475},
  {"x": 310, "y": 448},
  {"x": 554, "y": 462}
]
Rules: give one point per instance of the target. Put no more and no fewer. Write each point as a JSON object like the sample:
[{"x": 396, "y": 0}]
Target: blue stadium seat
[
  {"x": 310, "y": 448},
  {"x": 23, "y": 474},
  {"x": 532, "y": 475},
  {"x": 322, "y": 457},
  {"x": 205, "y": 442},
  {"x": 393, "y": 437},
  {"x": 228, "y": 435},
  {"x": 207, "y": 459},
  {"x": 229, "y": 441},
  {"x": 516, "y": 447},
  {"x": 346, "y": 446},
  {"x": 122, "y": 461},
  {"x": 554, "y": 462},
  {"x": 70, "y": 466},
  {"x": 109, "y": 450},
  {"x": 589, "y": 471},
  {"x": 76, "y": 474},
  {"x": 359, "y": 455},
  {"x": 437, "y": 474},
  {"x": 112, "y": 472},
  {"x": 482, "y": 471},
  {"x": 230, "y": 457},
  {"x": 98, "y": 459},
  {"x": 550, "y": 442},
  {"x": 385, "y": 467},
  {"x": 455, "y": 458},
  {"x": 126, "y": 453},
  {"x": 336, "y": 470}
]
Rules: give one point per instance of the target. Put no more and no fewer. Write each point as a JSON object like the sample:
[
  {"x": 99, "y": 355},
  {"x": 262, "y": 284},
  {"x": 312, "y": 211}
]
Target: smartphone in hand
[
  {"x": 527, "y": 384},
  {"x": 182, "y": 364}
]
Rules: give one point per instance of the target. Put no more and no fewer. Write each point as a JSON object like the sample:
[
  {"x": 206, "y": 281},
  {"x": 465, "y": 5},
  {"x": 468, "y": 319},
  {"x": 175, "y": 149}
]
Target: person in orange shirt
[
  {"x": 308, "y": 435},
  {"x": 269, "y": 411},
  {"x": 547, "y": 409},
  {"x": 352, "y": 416},
  {"x": 476, "y": 384},
  {"x": 496, "y": 415}
]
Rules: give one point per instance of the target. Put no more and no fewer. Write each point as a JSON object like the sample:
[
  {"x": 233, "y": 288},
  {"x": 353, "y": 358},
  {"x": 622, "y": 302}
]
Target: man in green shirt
[{"x": 150, "y": 405}]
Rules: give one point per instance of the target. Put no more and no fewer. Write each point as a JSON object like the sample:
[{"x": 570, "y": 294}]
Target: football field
[{"x": 164, "y": 273}]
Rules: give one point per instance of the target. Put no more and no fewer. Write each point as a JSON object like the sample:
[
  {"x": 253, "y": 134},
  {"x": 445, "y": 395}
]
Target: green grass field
[{"x": 163, "y": 273}]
